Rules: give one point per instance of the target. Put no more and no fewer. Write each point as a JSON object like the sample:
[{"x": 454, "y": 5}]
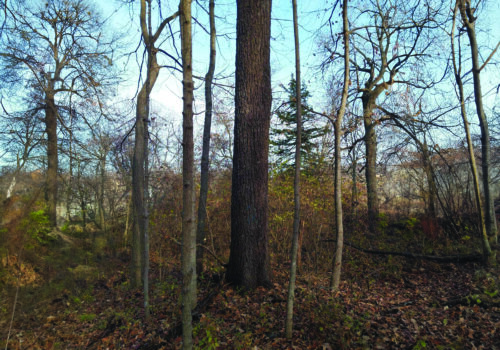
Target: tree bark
[
  {"x": 368, "y": 98},
  {"x": 52, "y": 157},
  {"x": 188, "y": 212},
  {"x": 249, "y": 257},
  {"x": 339, "y": 225},
  {"x": 296, "y": 181},
  {"x": 205, "y": 161},
  {"x": 469, "y": 21},
  {"x": 487, "y": 252}
]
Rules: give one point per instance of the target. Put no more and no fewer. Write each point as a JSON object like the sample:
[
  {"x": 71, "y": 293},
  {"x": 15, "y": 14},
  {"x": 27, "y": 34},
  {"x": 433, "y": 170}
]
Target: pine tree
[{"x": 283, "y": 137}]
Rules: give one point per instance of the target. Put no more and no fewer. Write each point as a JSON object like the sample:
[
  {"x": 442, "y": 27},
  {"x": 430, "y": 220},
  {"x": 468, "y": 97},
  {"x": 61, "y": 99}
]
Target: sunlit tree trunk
[
  {"x": 188, "y": 212},
  {"x": 368, "y": 98},
  {"x": 339, "y": 224},
  {"x": 457, "y": 67},
  {"x": 469, "y": 21}
]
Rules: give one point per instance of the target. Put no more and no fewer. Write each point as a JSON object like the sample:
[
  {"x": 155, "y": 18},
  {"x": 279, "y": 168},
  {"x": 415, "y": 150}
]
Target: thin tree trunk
[
  {"x": 52, "y": 158},
  {"x": 249, "y": 257},
  {"x": 469, "y": 21},
  {"x": 202, "y": 205},
  {"x": 487, "y": 252},
  {"x": 339, "y": 225},
  {"x": 188, "y": 212},
  {"x": 431, "y": 184},
  {"x": 296, "y": 181}
]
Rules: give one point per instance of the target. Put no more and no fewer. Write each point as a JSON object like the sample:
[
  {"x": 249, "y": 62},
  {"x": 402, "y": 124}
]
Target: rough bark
[
  {"x": 296, "y": 181},
  {"x": 339, "y": 224},
  {"x": 249, "y": 257},
  {"x": 188, "y": 212},
  {"x": 52, "y": 158},
  {"x": 368, "y": 99},
  {"x": 205, "y": 154}
]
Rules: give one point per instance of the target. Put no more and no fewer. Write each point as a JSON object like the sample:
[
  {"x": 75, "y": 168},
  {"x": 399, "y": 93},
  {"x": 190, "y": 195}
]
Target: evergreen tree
[{"x": 284, "y": 136}]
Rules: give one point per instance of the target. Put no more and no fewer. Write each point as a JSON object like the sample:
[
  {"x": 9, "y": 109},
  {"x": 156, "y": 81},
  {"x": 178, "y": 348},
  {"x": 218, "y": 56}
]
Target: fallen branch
[{"x": 436, "y": 258}]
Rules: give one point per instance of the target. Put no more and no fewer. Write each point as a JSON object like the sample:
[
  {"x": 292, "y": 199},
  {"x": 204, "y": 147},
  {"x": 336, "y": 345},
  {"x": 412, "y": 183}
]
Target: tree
[
  {"x": 249, "y": 257},
  {"x": 457, "y": 69},
  {"x": 205, "y": 161},
  {"x": 59, "y": 47},
  {"x": 339, "y": 225},
  {"x": 387, "y": 39},
  {"x": 140, "y": 186},
  {"x": 188, "y": 212},
  {"x": 296, "y": 180},
  {"x": 468, "y": 16},
  {"x": 283, "y": 137}
]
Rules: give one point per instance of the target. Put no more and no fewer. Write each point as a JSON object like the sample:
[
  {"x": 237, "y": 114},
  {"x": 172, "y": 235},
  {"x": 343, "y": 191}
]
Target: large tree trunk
[
  {"x": 249, "y": 258},
  {"x": 52, "y": 158},
  {"x": 205, "y": 161},
  {"x": 188, "y": 212},
  {"x": 469, "y": 21},
  {"x": 371, "y": 160}
]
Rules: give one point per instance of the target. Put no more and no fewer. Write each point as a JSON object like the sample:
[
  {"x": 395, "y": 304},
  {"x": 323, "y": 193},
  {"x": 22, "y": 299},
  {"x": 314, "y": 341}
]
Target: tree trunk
[
  {"x": 296, "y": 181},
  {"x": 249, "y": 257},
  {"x": 487, "y": 252},
  {"x": 205, "y": 161},
  {"x": 52, "y": 158},
  {"x": 188, "y": 212},
  {"x": 469, "y": 21},
  {"x": 371, "y": 160},
  {"x": 102, "y": 183},
  {"x": 431, "y": 184},
  {"x": 339, "y": 225}
]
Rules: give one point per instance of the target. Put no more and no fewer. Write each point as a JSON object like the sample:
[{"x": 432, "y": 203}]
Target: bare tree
[
  {"x": 205, "y": 156},
  {"x": 468, "y": 16},
  {"x": 140, "y": 191},
  {"x": 188, "y": 212},
  {"x": 60, "y": 47},
  {"x": 339, "y": 225},
  {"x": 457, "y": 68},
  {"x": 387, "y": 38}
]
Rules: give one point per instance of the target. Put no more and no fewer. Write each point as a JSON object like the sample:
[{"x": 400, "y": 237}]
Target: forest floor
[{"x": 383, "y": 303}]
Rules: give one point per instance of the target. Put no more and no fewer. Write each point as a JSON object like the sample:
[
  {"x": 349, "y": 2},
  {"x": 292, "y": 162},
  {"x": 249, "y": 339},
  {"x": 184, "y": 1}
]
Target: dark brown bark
[
  {"x": 368, "y": 98},
  {"x": 205, "y": 161},
  {"x": 249, "y": 257},
  {"x": 52, "y": 158}
]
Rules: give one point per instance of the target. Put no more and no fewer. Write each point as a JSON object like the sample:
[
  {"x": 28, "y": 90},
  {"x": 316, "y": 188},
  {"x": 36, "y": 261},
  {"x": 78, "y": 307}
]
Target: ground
[{"x": 383, "y": 303}]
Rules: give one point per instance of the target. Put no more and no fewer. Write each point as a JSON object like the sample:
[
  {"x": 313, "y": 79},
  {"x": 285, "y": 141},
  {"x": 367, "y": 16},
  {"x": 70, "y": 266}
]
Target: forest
[{"x": 249, "y": 174}]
